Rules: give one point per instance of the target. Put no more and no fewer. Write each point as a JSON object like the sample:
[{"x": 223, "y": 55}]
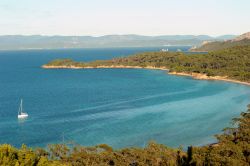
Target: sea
[{"x": 118, "y": 107}]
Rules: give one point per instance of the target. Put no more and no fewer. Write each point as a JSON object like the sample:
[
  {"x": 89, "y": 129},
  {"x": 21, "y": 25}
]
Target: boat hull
[{"x": 22, "y": 116}]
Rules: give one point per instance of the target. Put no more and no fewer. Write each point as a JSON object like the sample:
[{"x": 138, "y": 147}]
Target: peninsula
[{"x": 231, "y": 64}]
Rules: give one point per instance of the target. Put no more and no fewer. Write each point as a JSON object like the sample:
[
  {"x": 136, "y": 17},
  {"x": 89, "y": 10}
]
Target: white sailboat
[{"x": 21, "y": 114}]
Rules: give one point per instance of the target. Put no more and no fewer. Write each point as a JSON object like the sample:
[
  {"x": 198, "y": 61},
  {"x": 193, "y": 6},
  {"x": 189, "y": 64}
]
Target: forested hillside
[{"x": 233, "y": 63}]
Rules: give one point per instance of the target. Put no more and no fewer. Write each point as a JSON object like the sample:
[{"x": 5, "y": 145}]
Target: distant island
[
  {"x": 206, "y": 46},
  {"x": 231, "y": 64},
  {"x": 21, "y": 42}
]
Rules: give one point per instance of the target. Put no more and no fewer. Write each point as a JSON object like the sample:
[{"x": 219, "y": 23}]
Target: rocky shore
[
  {"x": 105, "y": 67},
  {"x": 193, "y": 75}
]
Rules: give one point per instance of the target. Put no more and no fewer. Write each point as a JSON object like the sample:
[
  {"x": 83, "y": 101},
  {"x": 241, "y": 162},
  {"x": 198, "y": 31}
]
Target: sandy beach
[{"x": 199, "y": 76}]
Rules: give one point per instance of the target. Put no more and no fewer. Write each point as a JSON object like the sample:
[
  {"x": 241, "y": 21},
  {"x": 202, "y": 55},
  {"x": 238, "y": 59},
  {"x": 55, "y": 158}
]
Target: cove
[{"x": 119, "y": 107}]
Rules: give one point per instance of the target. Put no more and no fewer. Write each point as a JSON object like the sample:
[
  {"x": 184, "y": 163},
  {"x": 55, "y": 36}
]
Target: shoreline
[
  {"x": 105, "y": 67},
  {"x": 197, "y": 76}
]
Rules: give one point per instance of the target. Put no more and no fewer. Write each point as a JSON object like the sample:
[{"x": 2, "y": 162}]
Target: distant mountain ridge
[
  {"x": 206, "y": 46},
  {"x": 11, "y": 42}
]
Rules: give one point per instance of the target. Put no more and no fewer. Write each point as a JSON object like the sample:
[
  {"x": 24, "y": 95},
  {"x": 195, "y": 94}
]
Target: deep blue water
[{"x": 119, "y": 107}]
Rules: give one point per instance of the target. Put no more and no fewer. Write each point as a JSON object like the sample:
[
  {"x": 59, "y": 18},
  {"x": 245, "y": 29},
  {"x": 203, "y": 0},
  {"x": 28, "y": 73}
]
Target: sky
[{"x": 106, "y": 17}]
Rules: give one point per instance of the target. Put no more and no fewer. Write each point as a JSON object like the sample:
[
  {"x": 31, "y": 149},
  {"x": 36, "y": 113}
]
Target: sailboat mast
[{"x": 21, "y": 105}]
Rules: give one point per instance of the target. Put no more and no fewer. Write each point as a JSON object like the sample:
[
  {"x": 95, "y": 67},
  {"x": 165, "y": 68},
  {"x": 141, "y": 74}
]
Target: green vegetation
[
  {"x": 233, "y": 148},
  {"x": 232, "y": 62},
  {"x": 219, "y": 45}
]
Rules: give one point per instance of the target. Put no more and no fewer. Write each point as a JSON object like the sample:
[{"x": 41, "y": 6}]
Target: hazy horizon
[
  {"x": 51, "y": 35},
  {"x": 147, "y": 17}
]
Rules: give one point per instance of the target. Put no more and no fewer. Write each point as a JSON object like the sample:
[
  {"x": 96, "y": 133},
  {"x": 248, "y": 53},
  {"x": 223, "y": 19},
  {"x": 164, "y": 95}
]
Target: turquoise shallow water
[{"x": 120, "y": 107}]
